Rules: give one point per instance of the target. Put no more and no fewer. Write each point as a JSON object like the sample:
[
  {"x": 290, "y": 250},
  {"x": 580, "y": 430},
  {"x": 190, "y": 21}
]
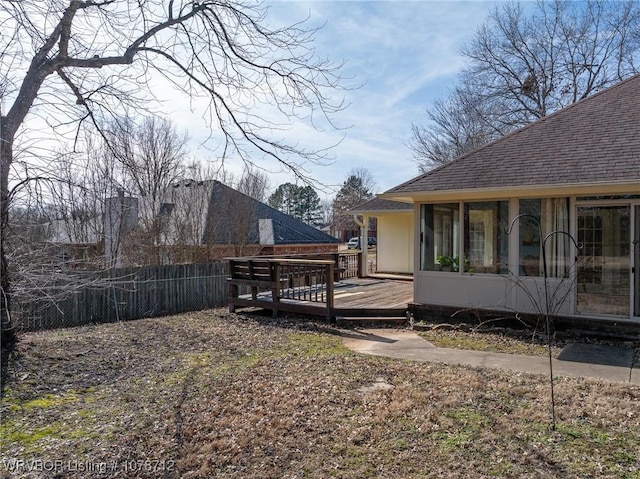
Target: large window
[
  {"x": 480, "y": 228},
  {"x": 485, "y": 236},
  {"x": 439, "y": 234},
  {"x": 551, "y": 216}
]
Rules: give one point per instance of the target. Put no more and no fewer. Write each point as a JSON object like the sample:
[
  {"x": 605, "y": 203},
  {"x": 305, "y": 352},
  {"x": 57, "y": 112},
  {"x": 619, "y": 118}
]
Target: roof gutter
[
  {"x": 567, "y": 189},
  {"x": 359, "y": 219}
]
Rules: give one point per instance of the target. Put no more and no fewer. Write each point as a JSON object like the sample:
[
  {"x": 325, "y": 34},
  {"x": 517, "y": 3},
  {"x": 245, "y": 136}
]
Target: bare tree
[
  {"x": 149, "y": 155},
  {"x": 170, "y": 227},
  {"x": 207, "y": 169},
  {"x": 525, "y": 64},
  {"x": 78, "y": 61},
  {"x": 55, "y": 228},
  {"x": 78, "y": 187},
  {"x": 327, "y": 212},
  {"x": 456, "y": 127},
  {"x": 173, "y": 224},
  {"x": 253, "y": 183}
]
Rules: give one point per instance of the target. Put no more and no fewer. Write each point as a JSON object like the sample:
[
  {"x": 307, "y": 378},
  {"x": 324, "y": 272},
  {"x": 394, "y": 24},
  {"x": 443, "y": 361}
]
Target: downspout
[{"x": 363, "y": 223}]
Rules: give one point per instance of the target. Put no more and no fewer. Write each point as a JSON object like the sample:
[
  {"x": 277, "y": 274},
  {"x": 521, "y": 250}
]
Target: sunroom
[
  {"x": 546, "y": 218},
  {"x": 505, "y": 254}
]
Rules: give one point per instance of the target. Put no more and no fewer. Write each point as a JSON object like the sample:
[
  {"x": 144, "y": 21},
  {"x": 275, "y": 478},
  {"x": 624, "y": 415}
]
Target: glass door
[{"x": 604, "y": 262}]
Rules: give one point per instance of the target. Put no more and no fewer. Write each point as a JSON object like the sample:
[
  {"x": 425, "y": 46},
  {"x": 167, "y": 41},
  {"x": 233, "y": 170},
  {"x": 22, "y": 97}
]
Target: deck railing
[
  {"x": 283, "y": 284},
  {"x": 347, "y": 264}
]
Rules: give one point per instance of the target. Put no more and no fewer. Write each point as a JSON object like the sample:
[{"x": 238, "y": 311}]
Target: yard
[{"x": 212, "y": 394}]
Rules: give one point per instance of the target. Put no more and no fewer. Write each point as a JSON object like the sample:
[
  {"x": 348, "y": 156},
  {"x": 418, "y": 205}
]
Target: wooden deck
[
  {"x": 317, "y": 287},
  {"x": 370, "y": 297}
]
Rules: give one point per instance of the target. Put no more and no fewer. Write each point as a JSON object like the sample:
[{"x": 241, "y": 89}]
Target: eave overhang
[
  {"x": 383, "y": 212},
  {"x": 527, "y": 191}
]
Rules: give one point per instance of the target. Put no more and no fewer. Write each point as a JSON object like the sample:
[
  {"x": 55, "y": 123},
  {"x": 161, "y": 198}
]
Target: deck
[
  {"x": 362, "y": 298},
  {"x": 372, "y": 297},
  {"x": 320, "y": 287}
]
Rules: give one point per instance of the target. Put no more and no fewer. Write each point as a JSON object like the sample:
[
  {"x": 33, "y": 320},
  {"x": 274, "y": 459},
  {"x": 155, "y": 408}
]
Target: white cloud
[{"x": 404, "y": 54}]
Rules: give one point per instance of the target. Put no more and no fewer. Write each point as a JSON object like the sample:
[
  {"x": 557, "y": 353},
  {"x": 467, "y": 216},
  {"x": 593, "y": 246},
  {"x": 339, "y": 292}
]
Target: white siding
[
  {"x": 395, "y": 243},
  {"x": 486, "y": 291}
]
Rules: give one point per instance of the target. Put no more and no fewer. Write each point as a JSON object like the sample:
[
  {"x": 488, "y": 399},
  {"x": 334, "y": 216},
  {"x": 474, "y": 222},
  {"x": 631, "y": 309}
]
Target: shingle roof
[
  {"x": 592, "y": 141},
  {"x": 380, "y": 205},
  {"x": 233, "y": 213}
]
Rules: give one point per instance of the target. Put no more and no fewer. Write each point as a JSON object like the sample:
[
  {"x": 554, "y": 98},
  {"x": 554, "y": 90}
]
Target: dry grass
[
  {"x": 511, "y": 342},
  {"x": 217, "y": 395}
]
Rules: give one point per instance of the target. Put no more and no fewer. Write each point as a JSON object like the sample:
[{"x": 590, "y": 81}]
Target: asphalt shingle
[
  {"x": 233, "y": 213},
  {"x": 591, "y": 141}
]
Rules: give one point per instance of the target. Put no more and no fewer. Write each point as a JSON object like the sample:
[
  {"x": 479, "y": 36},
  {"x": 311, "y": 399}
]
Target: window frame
[
  {"x": 494, "y": 215},
  {"x": 445, "y": 244}
]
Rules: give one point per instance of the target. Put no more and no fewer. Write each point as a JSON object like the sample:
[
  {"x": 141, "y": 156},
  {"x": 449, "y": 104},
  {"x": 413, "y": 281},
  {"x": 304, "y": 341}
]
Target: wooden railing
[
  {"x": 347, "y": 265},
  {"x": 302, "y": 286}
]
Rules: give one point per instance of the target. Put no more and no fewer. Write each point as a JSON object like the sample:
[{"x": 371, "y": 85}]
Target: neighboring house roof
[
  {"x": 209, "y": 212},
  {"x": 74, "y": 232},
  {"x": 241, "y": 210},
  {"x": 379, "y": 205},
  {"x": 593, "y": 141}
]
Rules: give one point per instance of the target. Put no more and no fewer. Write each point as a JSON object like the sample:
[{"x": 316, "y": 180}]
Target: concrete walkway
[{"x": 576, "y": 360}]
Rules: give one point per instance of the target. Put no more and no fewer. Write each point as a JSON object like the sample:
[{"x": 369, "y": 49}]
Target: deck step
[
  {"x": 370, "y": 320},
  {"x": 371, "y": 312}
]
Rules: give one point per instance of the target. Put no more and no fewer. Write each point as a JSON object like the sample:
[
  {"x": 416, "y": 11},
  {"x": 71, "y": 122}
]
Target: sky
[{"x": 399, "y": 56}]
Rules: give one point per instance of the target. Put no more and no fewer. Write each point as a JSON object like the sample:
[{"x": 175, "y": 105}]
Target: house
[
  {"x": 394, "y": 234},
  {"x": 58, "y": 239},
  {"x": 195, "y": 221},
  {"x": 570, "y": 182},
  {"x": 74, "y": 241}
]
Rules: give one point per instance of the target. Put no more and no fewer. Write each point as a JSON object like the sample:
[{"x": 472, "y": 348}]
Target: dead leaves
[{"x": 236, "y": 396}]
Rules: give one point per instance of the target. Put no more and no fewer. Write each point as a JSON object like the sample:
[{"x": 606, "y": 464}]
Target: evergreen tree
[
  {"x": 301, "y": 202},
  {"x": 309, "y": 207},
  {"x": 357, "y": 189}
]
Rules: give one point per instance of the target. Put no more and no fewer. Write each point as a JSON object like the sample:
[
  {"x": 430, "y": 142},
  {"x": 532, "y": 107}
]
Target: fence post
[
  {"x": 330, "y": 290},
  {"x": 275, "y": 285}
]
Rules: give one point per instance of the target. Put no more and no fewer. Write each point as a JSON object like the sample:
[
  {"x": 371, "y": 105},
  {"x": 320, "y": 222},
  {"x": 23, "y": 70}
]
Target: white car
[{"x": 353, "y": 243}]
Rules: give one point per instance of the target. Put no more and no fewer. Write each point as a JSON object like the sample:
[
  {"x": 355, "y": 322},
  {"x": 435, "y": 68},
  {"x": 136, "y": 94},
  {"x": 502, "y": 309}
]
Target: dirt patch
[{"x": 212, "y": 394}]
